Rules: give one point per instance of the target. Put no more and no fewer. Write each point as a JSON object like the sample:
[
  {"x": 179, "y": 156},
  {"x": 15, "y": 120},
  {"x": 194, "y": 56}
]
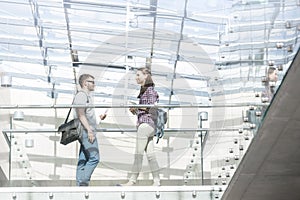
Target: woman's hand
[{"x": 133, "y": 110}]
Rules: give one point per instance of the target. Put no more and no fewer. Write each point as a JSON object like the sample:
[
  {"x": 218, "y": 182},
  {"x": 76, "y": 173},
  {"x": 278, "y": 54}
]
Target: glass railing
[{"x": 193, "y": 151}]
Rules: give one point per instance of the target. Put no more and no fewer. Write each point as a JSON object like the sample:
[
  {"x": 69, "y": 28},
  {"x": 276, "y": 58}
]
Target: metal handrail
[
  {"x": 122, "y": 130},
  {"x": 131, "y": 105},
  {"x": 198, "y": 188},
  {"x": 6, "y": 138}
]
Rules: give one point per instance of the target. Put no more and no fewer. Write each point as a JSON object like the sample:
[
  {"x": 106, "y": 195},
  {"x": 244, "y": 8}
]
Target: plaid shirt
[{"x": 150, "y": 96}]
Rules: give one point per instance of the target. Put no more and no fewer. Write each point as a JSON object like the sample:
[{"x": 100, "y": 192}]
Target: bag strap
[
  {"x": 68, "y": 115},
  {"x": 69, "y": 111},
  {"x": 73, "y": 102}
]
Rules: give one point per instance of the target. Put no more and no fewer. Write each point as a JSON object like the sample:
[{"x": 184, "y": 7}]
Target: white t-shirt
[{"x": 82, "y": 98}]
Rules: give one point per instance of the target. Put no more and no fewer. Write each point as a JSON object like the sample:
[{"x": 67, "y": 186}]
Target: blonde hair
[{"x": 83, "y": 77}]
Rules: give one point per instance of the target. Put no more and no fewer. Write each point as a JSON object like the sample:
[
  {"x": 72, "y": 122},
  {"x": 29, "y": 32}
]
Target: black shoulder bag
[{"x": 72, "y": 130}]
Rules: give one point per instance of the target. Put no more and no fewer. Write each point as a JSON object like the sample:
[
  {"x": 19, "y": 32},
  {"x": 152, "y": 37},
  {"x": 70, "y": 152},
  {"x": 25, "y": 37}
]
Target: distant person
[
  {"x": 270, "y": 83},
  {"x": 89, "y": 150},
  {"x": 145, "y": 128}
]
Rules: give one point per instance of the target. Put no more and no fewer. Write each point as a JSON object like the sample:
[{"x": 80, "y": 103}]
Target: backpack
[{"x": 160, "y": 118}]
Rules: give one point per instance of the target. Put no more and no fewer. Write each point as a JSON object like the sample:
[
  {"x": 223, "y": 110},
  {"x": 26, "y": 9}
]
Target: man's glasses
[{"x": 91, "y": 82}]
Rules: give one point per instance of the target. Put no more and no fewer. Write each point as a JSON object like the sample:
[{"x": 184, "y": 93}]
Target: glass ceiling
[{"x": 212, "y": 53}]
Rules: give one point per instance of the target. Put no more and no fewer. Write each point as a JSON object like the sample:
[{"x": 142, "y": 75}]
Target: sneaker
[{"x": 129, "y": 183}]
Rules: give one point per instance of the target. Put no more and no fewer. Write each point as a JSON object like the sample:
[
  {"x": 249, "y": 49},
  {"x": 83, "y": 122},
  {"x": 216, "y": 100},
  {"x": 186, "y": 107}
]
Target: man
[
  {"x": 89, "y": 150},
  {"x": 269, "y": 91},
  {"x": 272, "y": 78}
]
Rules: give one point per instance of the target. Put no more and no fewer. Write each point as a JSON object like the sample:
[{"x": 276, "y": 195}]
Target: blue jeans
[{"x": 88, "y": 160}]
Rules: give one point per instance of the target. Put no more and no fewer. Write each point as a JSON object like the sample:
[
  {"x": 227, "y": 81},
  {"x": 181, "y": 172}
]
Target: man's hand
[
  {"x": 103, "y": 116},
  {"x": 91, "y": 137}
]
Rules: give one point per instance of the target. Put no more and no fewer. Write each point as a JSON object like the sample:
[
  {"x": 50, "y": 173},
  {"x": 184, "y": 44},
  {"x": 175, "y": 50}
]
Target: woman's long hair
[{"x": 148, "y": 82}]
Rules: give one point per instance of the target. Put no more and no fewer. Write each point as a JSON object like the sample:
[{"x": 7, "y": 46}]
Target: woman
[{"x": 145, "y": 128}]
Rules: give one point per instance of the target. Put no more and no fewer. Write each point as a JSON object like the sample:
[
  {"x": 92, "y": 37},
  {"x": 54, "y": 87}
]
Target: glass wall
[{"x": 223, "y": 60}]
